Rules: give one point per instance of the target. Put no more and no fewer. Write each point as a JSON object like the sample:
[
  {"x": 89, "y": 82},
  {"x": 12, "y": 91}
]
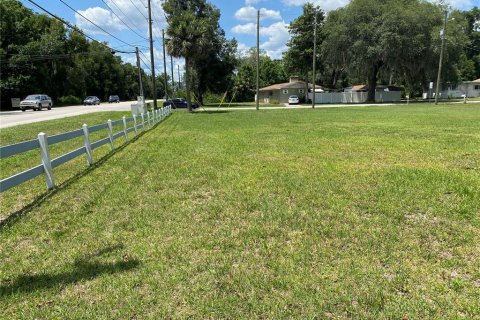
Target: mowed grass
[
  {"x": 348, "y": 213},
  {"x": 18, "y": 197}
]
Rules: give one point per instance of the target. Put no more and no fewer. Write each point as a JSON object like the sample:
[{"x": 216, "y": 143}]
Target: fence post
[
  {"x": 148, "y": 116},
  {"x": 135, "y": 124},
  {"x": 110, "y": 134},
  {"x": 88, "y": 146},
  {"x": 143, "y": 122},
  {"x": 47, "y": 165},
  {"x": 125, "y": 133}
]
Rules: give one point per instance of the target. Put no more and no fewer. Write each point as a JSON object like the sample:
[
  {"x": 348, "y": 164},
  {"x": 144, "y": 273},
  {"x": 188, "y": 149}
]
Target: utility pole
[
  {"x": 444, "y": 31},
  {"x": 258, "y": 59},
  {"x": 314, "y": 56},
  {"x": 173, "y": 79},
  {"x": 139, "y": 73},
  {"x": 152, "y": 61},
  {"x": 164, "y": 65}
]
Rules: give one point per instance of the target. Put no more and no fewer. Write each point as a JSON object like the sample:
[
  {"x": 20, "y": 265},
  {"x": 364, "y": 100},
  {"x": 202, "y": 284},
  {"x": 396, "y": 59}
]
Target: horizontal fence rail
[{"x": 136, "y": 124}]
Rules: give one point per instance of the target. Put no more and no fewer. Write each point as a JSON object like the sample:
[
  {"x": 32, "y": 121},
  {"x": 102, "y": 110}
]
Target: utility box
[
  {"x": 138, "y": 108},
  {"x": 15, "y": 102}
]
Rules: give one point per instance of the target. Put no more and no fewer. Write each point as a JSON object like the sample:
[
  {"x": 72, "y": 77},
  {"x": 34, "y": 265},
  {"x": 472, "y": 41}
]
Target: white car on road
[
  {"x": 293, "y": 100},
  {"x": 36, "y": 102}
]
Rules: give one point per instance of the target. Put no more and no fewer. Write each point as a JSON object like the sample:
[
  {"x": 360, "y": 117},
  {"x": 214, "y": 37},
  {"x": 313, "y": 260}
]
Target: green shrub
[
  {"x": 68, "y": 101},
  {"x": 210, "y": 97},
  {"x": 181, "y": 94},
  {"x": 273, "y": 101}
]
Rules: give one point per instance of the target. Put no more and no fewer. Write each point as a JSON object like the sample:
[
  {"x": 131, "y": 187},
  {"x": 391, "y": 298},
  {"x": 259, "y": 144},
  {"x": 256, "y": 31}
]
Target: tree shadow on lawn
[{"x": 83, "y": 270}]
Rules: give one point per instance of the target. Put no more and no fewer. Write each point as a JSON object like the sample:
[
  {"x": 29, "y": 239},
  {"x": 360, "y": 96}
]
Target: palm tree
[{"x": 192, "y": 25}]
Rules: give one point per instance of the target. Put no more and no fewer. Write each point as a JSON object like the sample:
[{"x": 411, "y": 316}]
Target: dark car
[
  {"x": 179, "y": 103},
  {"x": 112, "y": 99},
  {"x": 91, "y": 100}
]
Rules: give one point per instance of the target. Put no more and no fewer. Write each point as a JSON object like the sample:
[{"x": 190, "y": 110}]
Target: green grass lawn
[
  {"x": 335, "y": 213},
  {"x": 226, "y": 105}
]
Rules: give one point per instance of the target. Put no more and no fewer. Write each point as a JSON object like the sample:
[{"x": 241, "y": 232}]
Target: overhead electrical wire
[
  {"x": 76, "y": 29},
  {"x": 96, "y": 25},
  {"x": 121, "y": 20},
  {"x": 139, "y": 9},
  {"x": 120, "y": 9}
]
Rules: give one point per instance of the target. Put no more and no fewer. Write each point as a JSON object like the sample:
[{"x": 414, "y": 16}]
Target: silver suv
[{"x": 36, "y": 102}]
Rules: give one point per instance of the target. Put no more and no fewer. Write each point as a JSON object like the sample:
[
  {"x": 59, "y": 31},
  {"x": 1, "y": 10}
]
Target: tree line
[
  {"x": 385, "y": 42},
  {"x": 38, "y": 54},
  {"x": 368, "y": 41}
]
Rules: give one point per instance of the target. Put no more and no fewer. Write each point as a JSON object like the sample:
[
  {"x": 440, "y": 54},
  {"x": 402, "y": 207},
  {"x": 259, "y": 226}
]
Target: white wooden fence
[
  {"x": 142, "y": 122},
  {"x": 355, "y": 97}
]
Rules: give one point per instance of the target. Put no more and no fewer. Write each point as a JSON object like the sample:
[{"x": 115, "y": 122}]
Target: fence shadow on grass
[
  {"x": 82, "y": 270},
  {"x": 17, "y": 215}
]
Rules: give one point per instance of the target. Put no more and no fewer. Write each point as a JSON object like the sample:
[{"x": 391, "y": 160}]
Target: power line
[
  {"x": 96, "y": 25},
  {"x": 139, "y": 9},
  {"x": 143, "y": 54},
  {"x": 119, "y": 9},
  {"x": 145, "y": 64},
  {"x": 122, "y": 20},
  {"x": 75, "y": 28}
]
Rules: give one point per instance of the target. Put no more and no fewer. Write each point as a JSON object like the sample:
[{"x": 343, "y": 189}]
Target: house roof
[
  {"x": 360, "y": 87},
  {"x": 476, "y": 81},
  {"x": 287, "y": 85}
]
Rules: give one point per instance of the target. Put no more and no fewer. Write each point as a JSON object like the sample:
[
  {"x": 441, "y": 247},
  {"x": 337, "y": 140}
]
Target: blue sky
[{"x": 237, "y": 19}]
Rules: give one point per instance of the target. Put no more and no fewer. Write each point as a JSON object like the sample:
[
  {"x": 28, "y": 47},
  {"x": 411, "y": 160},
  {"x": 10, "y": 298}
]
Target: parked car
[
  {"x": 113, "y": 99},
  {"x": 293, "y": 100},
  {"x": 36, "y": 102},
  {"x": 179, "y": 103},
  {"x": 91, "y": 100}
]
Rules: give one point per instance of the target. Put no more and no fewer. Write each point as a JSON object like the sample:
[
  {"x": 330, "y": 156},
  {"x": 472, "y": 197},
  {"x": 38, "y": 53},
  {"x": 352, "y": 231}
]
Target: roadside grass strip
[{"x": 347, "y": 213}]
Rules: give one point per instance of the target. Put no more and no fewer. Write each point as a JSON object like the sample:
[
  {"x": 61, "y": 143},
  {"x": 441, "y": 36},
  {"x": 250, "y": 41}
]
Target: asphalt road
[{"x": 14, "y": 118}]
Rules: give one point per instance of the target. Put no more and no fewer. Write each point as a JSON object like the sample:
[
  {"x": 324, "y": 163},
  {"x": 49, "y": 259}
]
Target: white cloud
[
  {"x": 249, "y": 13},
  {"x": 277, "y": 36},
  {"x": 131, "y": 13},
  {"x": 249, "y": 28},
  {"x": 242, "y": 49},
  {"x": 326, "y": 5},
  {"x": 103, "y": 18},
  {"x": 459, "y": 4}
]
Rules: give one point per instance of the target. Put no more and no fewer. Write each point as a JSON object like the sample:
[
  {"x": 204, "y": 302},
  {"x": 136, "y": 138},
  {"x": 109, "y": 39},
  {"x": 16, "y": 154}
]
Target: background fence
[
  {"x": 137, "y": 123},
  {"x": 355, "y": 97}
]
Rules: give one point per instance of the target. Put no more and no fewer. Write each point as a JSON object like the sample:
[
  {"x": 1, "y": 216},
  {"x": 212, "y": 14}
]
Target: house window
[
  {"x": 285, "y": 91},
  {"x": 301, "y": 91},
  {"x": 477, "y": 87}
]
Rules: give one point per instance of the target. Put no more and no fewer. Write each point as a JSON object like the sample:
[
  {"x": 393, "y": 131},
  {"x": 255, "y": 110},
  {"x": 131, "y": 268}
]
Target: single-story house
[
  {"x": 281, "y": 91},
  {"x": 468, "y": 88}
]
